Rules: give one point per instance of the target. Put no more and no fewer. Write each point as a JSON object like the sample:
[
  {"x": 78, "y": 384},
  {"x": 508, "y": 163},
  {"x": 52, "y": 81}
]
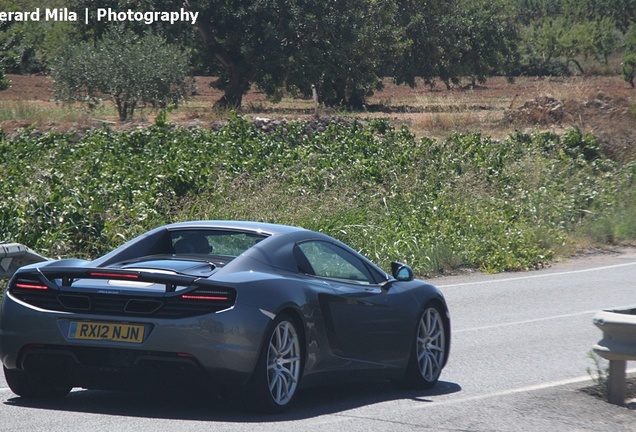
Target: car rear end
[{"x": 125, "y": 329}]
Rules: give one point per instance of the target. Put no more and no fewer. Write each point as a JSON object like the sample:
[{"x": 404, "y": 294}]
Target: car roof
[
  {"x": 257, "y": 227},
  {"x": 157, "y": 239},
  {"x": 276, "y": 251}
]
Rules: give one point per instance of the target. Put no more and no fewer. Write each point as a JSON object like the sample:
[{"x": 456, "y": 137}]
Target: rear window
[{"x": 224, "y": 243}]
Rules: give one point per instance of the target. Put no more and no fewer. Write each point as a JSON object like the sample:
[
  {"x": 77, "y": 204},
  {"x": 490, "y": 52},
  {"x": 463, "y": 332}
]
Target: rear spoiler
[
  {"x": 68, "y": 274},
  {"x": 15, "y": 255}
]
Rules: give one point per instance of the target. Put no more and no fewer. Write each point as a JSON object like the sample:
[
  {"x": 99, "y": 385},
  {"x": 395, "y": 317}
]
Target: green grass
[{"x": 468, "y": 200}]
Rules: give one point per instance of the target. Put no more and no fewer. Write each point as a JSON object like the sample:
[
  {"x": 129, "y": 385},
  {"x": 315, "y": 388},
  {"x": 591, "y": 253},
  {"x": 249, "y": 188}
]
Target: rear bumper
[
  {"x": 115, "y": 369},
  {"x": 221, "y": 347}
]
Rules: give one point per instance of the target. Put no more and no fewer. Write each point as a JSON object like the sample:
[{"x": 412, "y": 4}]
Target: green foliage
[
  {"x": 340, "y": 47},
  {"x": 5, "y": 82},
  {"x": 468, "y": 200},
  {"x": 569, "y": 33},
  {"x": 623, "y": 12},
  {"x": 345, "y": 49},
  {"x": 486, "y": 37},
  {"x": 599, "y": 373},
  {"x": 450, "y": 40},
  {"x": 129, "y": 69},
  {"x": 28, "y": 47},
  {"x": 629, "y": 41},
  {"x": 629, "y": 68},
  {"x": 177, "y": 32}
]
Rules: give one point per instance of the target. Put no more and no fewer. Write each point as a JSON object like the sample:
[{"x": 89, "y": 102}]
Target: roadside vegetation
[{"x": 465, "y": 201}]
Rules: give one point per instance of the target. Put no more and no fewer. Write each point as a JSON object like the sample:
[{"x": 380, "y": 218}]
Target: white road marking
[
  {"x": 543, "y": 275},
  {"x": 493, "y": 326},
  {"x": 513, "y": 391}
]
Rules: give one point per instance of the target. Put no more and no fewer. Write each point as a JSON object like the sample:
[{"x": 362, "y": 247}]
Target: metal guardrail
[
  {"x": 618, "y": 346},
  {"x": 15, "y": 255}
]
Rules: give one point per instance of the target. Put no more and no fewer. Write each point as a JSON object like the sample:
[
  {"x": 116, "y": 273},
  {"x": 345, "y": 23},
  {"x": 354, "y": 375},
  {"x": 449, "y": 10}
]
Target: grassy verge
[{"x": 467, "y": 200}]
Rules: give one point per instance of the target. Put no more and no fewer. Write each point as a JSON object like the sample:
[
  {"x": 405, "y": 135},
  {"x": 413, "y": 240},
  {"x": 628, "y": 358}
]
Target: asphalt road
[{"x": 518, "y": 362}]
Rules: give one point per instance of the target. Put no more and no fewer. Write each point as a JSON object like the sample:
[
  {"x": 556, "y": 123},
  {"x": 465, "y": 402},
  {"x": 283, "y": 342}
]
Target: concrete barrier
[{"x": 618, "y": 345}]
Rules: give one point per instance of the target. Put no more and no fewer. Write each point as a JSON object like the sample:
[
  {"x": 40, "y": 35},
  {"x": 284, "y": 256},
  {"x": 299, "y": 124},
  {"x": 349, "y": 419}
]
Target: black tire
[
  {"x": 278, "y": 368},
  {"x": 429, "y": 349},
  {"x": 28, "y": 386}
]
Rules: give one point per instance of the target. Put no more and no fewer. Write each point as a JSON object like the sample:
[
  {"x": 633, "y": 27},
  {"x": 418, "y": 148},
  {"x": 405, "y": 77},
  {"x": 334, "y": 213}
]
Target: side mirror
[{"x": 402, "y": 272}]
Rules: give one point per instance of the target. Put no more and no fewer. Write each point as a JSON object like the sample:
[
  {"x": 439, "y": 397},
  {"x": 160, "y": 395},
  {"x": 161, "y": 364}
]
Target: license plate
[{"x": 99, "y": 331}]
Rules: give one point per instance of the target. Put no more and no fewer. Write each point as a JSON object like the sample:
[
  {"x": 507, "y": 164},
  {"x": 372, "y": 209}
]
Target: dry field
[{"x": 600, "y": 104}]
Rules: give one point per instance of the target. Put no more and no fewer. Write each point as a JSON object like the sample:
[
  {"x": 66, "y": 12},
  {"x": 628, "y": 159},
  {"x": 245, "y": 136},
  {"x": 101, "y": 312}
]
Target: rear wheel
[
  {"x": 429, "y": 350},
  {"x": 279, "y": 367},
  {"x": 29, "y": 386}
]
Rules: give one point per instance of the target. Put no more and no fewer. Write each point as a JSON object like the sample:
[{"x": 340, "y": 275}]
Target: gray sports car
[{"x": 261, "y": 307}]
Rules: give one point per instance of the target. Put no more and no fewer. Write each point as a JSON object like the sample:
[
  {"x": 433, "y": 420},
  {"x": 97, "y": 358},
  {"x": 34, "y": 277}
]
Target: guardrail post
[
  {"x": 616, "y": 382},
  {"x": 618, "y": 345}
]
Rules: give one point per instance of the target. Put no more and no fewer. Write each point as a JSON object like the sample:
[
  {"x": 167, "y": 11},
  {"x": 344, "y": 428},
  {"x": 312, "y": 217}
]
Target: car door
[{"x": 363, "y": 320}]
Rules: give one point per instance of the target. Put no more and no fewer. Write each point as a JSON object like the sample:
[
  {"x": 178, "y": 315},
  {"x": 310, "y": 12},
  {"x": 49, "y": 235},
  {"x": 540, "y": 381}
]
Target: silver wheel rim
[
  {"x": 283, "y": 363},
  {"x": 431, "y": 344}
]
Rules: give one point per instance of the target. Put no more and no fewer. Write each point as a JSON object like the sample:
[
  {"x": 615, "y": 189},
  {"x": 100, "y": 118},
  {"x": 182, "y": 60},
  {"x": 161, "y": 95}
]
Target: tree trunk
[
  {"x": 237, "y": 71},
  {"x": 125, "y": 108},
  {"x": 578, "y": 66},
  {"x": 357, "y": 99},
  {"x": 235, "y": 88}
]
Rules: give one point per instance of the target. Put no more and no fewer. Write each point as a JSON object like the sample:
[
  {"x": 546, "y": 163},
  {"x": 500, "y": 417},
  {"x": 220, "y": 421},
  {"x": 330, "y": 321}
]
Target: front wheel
[
  {"x": 278, "y": 369},
  {"x": 429, "y": 350}
]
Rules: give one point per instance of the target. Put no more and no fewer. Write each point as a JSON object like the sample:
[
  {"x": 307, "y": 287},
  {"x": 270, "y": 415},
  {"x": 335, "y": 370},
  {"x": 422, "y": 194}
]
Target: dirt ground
[{"x": 603, "y": 105}]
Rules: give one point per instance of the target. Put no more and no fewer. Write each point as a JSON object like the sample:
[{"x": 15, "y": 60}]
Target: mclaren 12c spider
[{"x": 260, "y": 307}]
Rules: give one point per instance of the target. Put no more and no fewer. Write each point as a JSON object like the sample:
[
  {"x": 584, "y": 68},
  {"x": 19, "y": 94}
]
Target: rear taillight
[
  {"x": 29, "y": 285},
  {"x": 207, "y": 295}
]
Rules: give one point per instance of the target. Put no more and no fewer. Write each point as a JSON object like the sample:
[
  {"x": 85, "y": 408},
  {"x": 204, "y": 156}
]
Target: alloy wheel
[
  {"x": 431, "y": 344},
  {"x": 283, "y": 363}
]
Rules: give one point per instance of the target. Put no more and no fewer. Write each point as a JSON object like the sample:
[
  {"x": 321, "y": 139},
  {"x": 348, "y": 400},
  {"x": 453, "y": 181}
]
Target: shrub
[
  {"x": 468, "y": 200},
  {"x": 5, "y": 82},
  {"x": 629, "y": 68}
]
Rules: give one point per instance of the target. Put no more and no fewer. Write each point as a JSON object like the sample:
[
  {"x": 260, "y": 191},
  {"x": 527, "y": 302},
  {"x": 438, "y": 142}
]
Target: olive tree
[
  {"x": 338, "y": 46},
  {"x": 452, "y": 39},
  {"x": 130, "y": 70}
]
